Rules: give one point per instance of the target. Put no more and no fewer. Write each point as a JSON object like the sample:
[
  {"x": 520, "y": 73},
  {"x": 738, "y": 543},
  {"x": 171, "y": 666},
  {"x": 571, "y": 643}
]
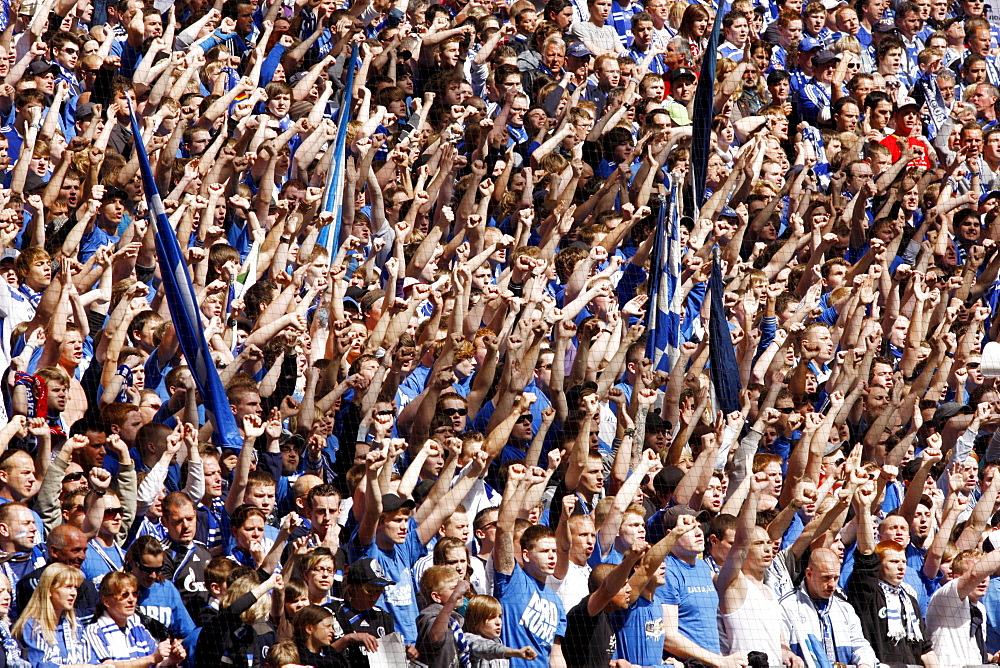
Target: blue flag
[
  {"x": 329, "y": 236},
  {"x": 665, "y": 294},
  {"x": 184, "y": 309},
  {"x": 721, "y": 354},
  {"x": 704, "y": 111}
]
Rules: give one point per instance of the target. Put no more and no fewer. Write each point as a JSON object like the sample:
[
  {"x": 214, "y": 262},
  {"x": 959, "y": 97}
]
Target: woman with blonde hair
[
  {"x": 47, "y": 628},
  {"x": 242, "y": 628},
  {"x": 8, "y": 646}
]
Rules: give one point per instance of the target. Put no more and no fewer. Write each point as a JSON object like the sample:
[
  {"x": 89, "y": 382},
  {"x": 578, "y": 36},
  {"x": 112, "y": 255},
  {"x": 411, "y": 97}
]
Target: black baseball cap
[
  {"x": 392, "y": 502},
  {"x": 39, "y": 67},
  {"x": 367, "y": 571},
  {"x": 84, "y": 111},
  {"x": 682, "y": 73}
]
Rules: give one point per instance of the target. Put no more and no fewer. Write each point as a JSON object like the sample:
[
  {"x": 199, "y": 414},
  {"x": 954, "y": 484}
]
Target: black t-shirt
[
  {"x": 376, "y": 622},
  {"x": 589, "y": 641}
]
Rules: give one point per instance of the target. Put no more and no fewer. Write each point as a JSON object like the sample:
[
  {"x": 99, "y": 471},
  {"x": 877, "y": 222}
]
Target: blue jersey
[
  {"x": 640, "y": 632},
  {"x": 397, "y": 562},
  {"x": 101, "y": 560},
  {"x": 70, "y": 646},
  {"x": 533, "y": 615},
  {"x": 691, "y": 589},
  {"x": 163, "y": 603}
]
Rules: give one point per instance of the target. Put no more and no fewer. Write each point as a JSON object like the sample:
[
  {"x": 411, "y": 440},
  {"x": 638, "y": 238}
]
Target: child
[
  {"x": 440, "y": 637},
  {"x": 439, "y": 627},
  {"x": 217, "y": 573},
  {"x": 483, "y": 622}
]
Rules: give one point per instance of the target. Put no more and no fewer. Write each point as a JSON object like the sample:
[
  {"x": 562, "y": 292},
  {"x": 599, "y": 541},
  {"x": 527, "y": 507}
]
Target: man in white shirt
[{"x": 956, "y": 618}]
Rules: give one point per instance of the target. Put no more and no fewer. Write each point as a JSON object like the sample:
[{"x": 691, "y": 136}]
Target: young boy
[{"x": 439, "y": 628}]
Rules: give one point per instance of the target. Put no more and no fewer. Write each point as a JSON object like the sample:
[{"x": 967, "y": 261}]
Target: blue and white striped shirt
[{"x": 110, "y": 642}]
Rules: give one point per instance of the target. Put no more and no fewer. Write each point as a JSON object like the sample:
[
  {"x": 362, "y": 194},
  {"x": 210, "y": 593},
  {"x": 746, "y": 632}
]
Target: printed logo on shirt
[
  {"x": 700, "y": 590},
  {"x": 541, "y": 618},
  {"x": 191, "y": 583},
  {"x": 400, "y": 594},
  {"x": 654, "y": 629},
  {"x": 160, "y": 613}
]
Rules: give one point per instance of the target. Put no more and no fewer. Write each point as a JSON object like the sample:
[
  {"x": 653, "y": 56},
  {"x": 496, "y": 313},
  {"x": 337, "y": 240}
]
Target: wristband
[
  {"x": 125, "y": 371},
  {"x": 630, "y": 432},
  {"x": 98, "y": 492}
]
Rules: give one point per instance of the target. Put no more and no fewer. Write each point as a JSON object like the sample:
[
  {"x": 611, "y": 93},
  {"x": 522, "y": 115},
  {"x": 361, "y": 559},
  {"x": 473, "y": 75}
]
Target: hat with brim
[{"x": 368, "y": 571}]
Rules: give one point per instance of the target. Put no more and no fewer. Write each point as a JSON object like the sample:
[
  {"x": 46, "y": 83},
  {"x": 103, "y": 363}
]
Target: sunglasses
[
  {"x": 122, "y": 595},
  {"x": 451, "y": 412},
  {"x": 524, "y": 419},
  {"x": 148, "y": 570},
  {"x": 972, "y": 365},
  {"x": 112, "y": 512},
  {"x": 73, "y": 477},
  {"x": 787, "y": 410}
]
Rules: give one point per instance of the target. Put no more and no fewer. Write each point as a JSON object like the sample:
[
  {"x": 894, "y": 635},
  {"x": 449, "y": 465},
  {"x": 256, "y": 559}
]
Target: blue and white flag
[
  {"x": 329, "y": 236},
  {"x": 665, "y": 294},
  {"x": 184, "y": 311}
]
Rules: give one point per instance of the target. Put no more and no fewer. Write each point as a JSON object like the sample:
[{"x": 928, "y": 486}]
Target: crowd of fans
[{"x": 456, "y": 450}]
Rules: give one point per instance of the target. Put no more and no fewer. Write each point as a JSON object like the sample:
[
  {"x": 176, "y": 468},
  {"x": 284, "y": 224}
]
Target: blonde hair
[
  {"x": 480, "y": 610},
  {"x": 259, "y": 610},
  {"x": 40, "y": 606}
]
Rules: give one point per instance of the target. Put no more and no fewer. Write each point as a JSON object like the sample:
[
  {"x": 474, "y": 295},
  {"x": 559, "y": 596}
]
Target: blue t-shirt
[
  {"x": 101, "y": 560},
  {"x": 533, "y": 615},
  {"x": 163, "y": 603},
  {"x": 691, "y": 589},
  {"x": 397, "y": 562},
  {"x": 640, "y": 633}
]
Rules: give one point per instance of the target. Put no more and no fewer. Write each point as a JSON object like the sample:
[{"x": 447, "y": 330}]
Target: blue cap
[
  {"x": 809, "y": 43},
  {"x": 728, "y": 212},
  {"x": 578, "y": 50},
  {"x": 992, "y": 193}
]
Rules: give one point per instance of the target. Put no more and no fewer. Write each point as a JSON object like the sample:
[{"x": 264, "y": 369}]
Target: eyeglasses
[
  {"x": 73, "y": 477},
  {"x": 122, "y": 595},
  {"x": 451, "y": 412},
  {"x": 113, "y": 512},
  {"x": 148, "y": 570},
  {"x": 524, "y": 419},
  {"x": 325, "y": 570},
  {"x": 788, "y": 410},
  {"x": 972, "y": 365}
]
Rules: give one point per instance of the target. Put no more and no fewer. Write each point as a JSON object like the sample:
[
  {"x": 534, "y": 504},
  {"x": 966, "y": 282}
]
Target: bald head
[
  {"x": 824, "y": 556},
  {"x": 305, "y": 483},
  {"x": 64, "y": 535},
  {"x": 68, "y": 545},
  {"x": 822, "y": 573}
]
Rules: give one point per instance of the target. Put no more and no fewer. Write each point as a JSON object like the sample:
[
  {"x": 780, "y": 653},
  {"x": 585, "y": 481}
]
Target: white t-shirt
[
  {"x": 573, "y": 588},
  {"x": 948, "y": 622}
]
